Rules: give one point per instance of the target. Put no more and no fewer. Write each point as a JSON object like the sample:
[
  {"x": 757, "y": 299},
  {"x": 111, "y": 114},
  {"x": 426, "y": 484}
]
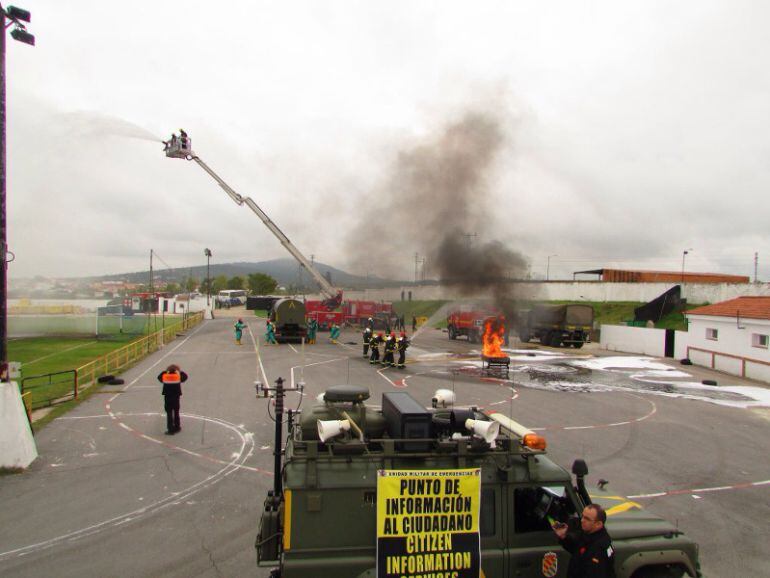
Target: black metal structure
[{"x": 16, "y": 16}]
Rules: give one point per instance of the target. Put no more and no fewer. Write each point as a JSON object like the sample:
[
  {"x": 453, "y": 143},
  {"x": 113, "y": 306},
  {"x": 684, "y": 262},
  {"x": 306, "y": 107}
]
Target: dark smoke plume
[{"x": 435, "y": 197}]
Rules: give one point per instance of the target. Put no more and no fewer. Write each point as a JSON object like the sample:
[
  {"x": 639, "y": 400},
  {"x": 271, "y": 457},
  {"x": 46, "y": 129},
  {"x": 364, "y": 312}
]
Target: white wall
[
  {"x": 17, "y": 446},
  {"x": 680, "y": 344},
  {"x": 577, "y": 291},
  {"x": 644, "y": 340}
]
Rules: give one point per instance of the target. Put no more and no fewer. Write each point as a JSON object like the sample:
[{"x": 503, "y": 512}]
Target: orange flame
[{"x": 493, "y": 339}]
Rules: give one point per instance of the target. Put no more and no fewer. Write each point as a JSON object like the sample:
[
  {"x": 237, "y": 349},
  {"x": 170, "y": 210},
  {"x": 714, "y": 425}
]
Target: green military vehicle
[
  {"x": 556, "y": 325},
  {"x": 325, "y": 514}
]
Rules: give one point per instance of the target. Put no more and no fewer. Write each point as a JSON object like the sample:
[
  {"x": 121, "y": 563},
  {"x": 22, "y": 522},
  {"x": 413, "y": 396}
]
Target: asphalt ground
[{"x": 111, "y": 495}]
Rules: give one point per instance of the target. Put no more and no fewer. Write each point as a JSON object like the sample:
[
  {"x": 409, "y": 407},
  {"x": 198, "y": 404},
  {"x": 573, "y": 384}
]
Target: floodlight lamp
[
  {"x": 23, "y": 36},
  {"x": 18, "y": 14}
]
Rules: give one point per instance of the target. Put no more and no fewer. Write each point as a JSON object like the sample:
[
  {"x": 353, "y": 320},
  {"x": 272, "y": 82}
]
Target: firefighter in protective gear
[
  {"x": 367, "y": 339},
  {"x": 390, "y": 347},
  {"x": 401, "y": 345},
  {"x": 172, "y": 379},
  {"x": 374, "y": 344}
]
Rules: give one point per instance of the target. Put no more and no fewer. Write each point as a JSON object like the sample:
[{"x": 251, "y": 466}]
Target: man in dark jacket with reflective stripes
[
  {"x": 590, "y": 548},
  {"x": 172, "y": 379}
]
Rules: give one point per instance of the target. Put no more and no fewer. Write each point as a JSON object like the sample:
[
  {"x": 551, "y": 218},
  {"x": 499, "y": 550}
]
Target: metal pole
[
  {"x": 279, "y": 395},
  {"x": 684, "y": 254},
  {"x": 3, "y": 231}
]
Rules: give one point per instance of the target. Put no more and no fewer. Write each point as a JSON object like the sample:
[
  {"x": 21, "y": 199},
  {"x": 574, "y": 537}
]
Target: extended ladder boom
[{"x": 181, "y": 148}]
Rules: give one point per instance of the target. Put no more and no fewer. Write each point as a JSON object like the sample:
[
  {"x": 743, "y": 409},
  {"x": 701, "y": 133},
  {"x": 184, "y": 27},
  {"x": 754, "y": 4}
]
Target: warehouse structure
[{"x": 641, "y": 276}]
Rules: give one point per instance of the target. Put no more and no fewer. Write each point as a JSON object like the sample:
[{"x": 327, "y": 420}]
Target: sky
[{"x": 619, "y": 134}]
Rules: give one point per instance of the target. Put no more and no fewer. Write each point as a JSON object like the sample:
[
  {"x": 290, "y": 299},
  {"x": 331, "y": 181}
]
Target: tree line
[{"x": 254, "y": 283}]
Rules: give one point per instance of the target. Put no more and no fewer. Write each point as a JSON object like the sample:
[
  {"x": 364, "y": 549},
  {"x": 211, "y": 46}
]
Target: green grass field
[{"x": 42, "y": 356}]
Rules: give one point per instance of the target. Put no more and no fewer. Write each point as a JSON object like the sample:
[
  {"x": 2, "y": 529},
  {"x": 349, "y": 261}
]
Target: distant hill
[{"x": 285, "y": 271}]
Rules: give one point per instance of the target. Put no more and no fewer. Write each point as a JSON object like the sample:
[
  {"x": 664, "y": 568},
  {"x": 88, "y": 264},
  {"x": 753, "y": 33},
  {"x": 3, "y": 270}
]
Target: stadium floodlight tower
[{"x": 180, "y": 147}]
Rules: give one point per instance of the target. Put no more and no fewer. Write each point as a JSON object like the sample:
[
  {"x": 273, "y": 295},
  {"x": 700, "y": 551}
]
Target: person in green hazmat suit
[
  {"x": 312, "y": 329},
  {"x": 270, "y": 333},
  {"x": 238, "y": 327}
]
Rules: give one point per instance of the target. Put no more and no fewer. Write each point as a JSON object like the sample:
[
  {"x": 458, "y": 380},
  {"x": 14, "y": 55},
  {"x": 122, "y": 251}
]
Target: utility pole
[
  {"x": 207, "y": 252},
  {"x": 756, "y": 263},
  {"x": 684, "y": 254},
  {"x": 416, "y": 263},
  {"x": 17, "y": 16},
  {"x": 548, "y": 267}
]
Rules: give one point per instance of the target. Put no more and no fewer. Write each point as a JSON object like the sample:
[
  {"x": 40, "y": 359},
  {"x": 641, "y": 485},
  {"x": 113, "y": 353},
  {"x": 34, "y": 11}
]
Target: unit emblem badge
[{"x": 550, "y": 564}]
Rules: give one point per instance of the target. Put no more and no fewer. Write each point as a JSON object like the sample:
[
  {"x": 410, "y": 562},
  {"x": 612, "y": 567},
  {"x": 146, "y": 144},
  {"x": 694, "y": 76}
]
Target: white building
[{"x": 732, "y": 336}]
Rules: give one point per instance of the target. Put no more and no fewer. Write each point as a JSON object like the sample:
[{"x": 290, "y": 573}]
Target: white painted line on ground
[
  {"x": 59, "y": 352},
  {"x": 701, "y": 490}
]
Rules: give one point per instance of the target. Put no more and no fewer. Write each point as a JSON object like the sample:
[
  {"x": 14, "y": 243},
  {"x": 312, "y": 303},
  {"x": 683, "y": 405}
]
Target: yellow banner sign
[{"x": 428, "y": 523}]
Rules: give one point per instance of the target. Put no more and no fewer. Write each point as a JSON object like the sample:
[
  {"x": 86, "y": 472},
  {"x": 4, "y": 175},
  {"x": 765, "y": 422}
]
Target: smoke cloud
[{"x": 432, "y": 202}]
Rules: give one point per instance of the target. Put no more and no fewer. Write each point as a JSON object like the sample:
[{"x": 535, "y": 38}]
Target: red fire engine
[{"x": 470, "y": 322}]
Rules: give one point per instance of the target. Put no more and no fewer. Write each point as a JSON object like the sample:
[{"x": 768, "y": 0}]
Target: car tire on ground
[
  {"x": 554, "y": 339},
  {"x": 116, "y": 381},
  {"x": 452, "y": 332},
  {"x": 105, "y": 378},
  {"x": 577, "y": 344}
]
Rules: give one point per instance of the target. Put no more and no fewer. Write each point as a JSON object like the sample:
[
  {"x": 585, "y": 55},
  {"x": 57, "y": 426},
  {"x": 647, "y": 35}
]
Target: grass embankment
[
  {"x": 411, "y": 309},
  {"x": 605, "y": 313}
]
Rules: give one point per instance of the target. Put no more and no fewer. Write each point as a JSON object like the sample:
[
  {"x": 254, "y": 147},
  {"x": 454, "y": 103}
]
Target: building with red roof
[{"x": 732, "y": 336}]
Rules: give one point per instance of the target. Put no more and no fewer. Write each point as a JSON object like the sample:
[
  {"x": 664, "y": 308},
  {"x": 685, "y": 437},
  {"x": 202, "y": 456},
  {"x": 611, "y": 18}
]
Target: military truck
[
  {"x": 556, "y": 325},
  {"x": 323, "y": 517},
  {"x": 289, "y": 318}
]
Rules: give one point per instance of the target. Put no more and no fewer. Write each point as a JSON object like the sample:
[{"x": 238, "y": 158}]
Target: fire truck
[
  {"x": 355, "y": 313},
  {"x": 469, "y": 322}
]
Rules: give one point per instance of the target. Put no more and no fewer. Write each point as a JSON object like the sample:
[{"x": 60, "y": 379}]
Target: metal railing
[
  {"x": 49, "y": 389},
  {"x": 129, "y": 354}
]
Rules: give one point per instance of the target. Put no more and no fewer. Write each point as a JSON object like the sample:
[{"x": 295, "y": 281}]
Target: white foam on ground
[
  {"x": 670, "y": 373},
  {"x": 620, "y": 363}
]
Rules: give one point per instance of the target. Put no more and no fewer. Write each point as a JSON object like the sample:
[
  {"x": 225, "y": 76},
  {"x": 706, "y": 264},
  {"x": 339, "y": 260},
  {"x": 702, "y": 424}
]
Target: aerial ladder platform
[{"x": 180, "y": 147}]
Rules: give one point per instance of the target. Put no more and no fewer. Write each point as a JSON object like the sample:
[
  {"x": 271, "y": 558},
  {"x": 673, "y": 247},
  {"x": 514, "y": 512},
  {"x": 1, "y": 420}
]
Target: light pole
[
  {"x": 207, "y": 252},
  {"x": 684, "y": 254},
  {"x": 16, "y": 16},
  {"x": 548, "y": 267}
]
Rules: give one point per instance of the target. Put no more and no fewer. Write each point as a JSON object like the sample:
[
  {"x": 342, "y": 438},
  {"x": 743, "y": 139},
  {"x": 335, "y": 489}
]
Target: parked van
[{"x": 231, "y": 298}]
